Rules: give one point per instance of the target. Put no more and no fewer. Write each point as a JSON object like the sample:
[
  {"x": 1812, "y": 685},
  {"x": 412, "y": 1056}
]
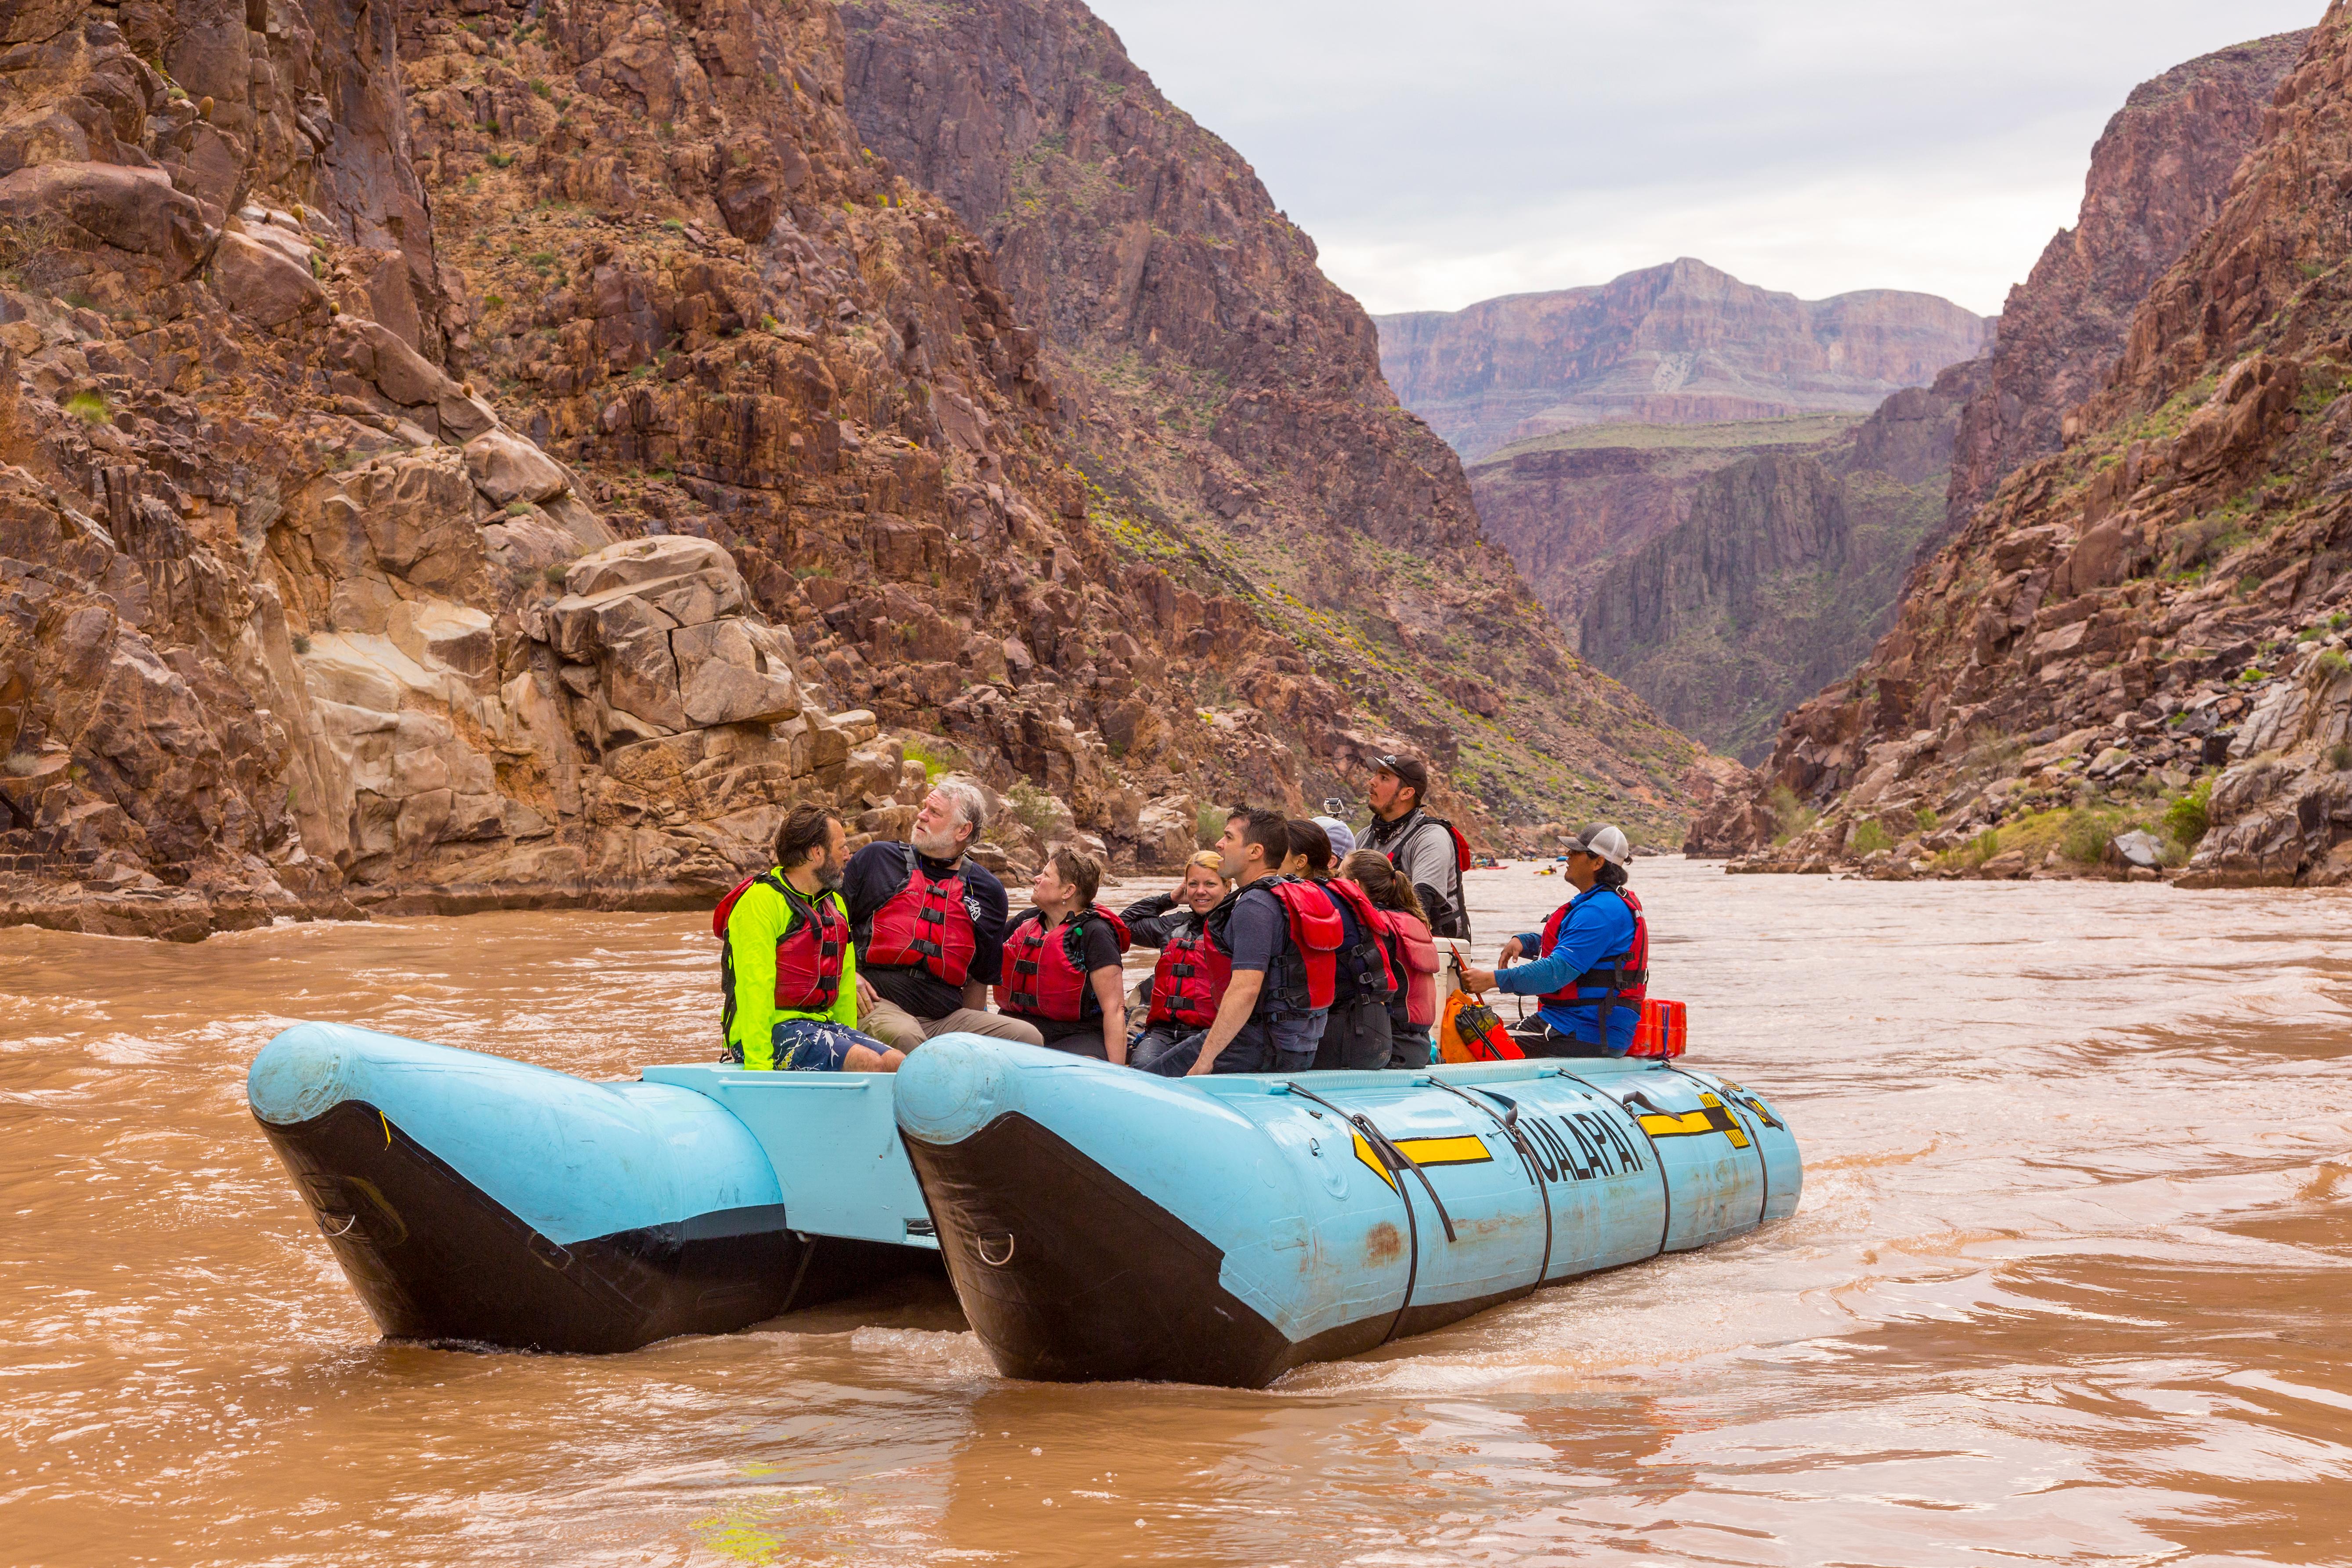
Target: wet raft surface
[{"x": 2066, "y": 1284}]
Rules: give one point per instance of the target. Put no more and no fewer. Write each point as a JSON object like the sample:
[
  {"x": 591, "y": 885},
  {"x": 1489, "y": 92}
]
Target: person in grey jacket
[{"x": 1419, "y": 845}]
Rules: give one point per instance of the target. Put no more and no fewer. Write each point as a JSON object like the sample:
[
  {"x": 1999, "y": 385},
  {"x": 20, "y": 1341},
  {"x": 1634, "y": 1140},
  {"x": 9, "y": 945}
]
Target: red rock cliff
[
  {"x": 1226, "y": 400},
  {"x": 2159, "y": 176}
]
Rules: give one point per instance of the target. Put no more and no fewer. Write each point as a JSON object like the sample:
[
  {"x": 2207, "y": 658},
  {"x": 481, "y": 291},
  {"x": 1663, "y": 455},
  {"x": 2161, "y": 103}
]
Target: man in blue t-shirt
[{"x": 1600, "y": 932}]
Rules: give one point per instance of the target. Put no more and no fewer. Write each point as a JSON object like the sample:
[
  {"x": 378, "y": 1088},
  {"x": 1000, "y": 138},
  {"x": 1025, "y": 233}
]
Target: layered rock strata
[
  {"x": 1677, "y": 344},
  {"x": 2168, "y": 595},
  {"x": 1227, "y": 404}
]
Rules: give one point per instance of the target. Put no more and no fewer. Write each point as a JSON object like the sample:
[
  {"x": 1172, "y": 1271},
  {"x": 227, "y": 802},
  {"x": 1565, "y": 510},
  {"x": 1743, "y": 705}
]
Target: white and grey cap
[{"x": 1605, "y": 841}]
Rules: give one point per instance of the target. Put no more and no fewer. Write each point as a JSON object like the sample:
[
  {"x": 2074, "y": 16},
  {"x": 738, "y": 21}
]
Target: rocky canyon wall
[
  {"x": 1227, "y": 404},
  {"x": 468, "y": 455},
  {"x": 1782, "y": 572},
  {"x": 2154, "y": 617},
  {"x": 1681, "y": 343},
  {"x": 2159, "y": 175}
]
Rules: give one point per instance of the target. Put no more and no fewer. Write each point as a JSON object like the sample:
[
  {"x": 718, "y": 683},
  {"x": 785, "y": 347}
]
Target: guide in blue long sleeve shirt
[{"x": 1598, "y": 925}]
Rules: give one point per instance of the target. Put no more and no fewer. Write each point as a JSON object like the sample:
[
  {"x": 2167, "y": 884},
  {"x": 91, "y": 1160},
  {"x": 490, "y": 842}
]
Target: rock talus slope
[
  {"x": 2166, "y": 596},
  {"x": 466, "y": 455},
  {"x": 1226, "y": 401},
  {"x": 1682, "y": 343}
]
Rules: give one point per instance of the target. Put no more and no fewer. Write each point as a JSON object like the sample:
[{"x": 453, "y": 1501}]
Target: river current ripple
[{"x": 2067, "y": 1285}]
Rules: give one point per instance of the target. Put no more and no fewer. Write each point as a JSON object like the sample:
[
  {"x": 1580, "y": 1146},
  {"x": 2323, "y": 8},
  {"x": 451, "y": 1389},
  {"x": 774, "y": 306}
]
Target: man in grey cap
[
  {"x": 1421, "y": 845},
  {"x": 1592, "y": 966}
]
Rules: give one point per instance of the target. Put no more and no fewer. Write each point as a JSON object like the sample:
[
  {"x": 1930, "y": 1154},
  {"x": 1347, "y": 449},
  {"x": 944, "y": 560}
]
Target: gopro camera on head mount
[{"x": 1333, "y": 805}]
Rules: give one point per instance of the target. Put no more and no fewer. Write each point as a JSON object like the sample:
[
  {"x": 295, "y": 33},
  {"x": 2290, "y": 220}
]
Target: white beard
[{"x": 937, "y": 846}]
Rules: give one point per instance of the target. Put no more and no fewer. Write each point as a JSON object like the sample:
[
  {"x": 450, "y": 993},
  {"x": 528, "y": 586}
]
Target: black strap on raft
[
  {"x": 1509, "y": 1120},
  {"x": 1665, "y": 1187},
  {"x": 1734, "y": 1104},
  {"x": 1397, "y": 1161},
  {"x": 1394, "y": 1158}
]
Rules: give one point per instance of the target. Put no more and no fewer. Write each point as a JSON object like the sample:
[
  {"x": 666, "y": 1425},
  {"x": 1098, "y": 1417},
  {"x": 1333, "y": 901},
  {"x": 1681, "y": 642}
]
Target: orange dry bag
[{"x": 1471, "y": 1032}]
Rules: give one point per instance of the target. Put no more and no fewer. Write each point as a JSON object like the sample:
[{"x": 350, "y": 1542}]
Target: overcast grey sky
[{"x": 1445, "y": 153}]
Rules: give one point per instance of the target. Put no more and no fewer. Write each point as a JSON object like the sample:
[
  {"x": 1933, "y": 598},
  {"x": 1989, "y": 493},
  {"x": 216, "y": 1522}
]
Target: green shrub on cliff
[
  {"x": 1867, "y": 838},
  {"x": 2190, "y": 813},
  {"x": 1793, "y": 814}
]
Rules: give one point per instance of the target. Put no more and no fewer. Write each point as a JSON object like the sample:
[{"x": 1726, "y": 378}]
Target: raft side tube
[
  {"x": 473, "y": 1199},
  {"x": 1097, "y": 1224}
]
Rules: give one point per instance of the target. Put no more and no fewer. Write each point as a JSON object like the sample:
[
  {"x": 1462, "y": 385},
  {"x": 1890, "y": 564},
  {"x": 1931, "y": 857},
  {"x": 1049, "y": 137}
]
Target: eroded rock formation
[
  {"x": 1227, "y": 404},
  {"x": 1677, "y": 344},
  {"x": 1781, "y": 575},
  {"x": 2165, "y": 596}
]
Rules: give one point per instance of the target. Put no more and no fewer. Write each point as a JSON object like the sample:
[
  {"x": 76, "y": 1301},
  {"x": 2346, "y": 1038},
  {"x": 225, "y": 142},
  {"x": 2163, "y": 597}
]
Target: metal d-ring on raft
[{"x": 1095, "y": 1222}]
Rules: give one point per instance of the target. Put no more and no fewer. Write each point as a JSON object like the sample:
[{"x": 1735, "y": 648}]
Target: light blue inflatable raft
[{"x": 1096, "y": 1222}]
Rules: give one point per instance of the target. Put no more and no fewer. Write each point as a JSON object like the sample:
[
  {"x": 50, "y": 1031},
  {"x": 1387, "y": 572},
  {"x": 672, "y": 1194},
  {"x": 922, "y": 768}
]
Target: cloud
[{"x": 1443, "y": 155}]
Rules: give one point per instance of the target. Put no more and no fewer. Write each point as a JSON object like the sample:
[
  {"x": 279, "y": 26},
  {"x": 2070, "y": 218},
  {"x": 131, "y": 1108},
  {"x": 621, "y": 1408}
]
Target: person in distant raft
[
  {"x": 1425, "y": 848},
  {"x": 930, "y": 924},
  {"x": 1593, "y": 964},
  {"x": 787, "y": 966},
  {"x": 1282, "y": 938},
  {"x": 1061, "y": 974}
]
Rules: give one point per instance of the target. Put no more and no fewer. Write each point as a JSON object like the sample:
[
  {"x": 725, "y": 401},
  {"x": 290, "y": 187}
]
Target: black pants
[
  {"x": 1537, "y": 1038},
  {"x": 1355, "y": 1036},
  {"x": 1083, "y": 1038},
  {"x": 1408, "y": 1045}
]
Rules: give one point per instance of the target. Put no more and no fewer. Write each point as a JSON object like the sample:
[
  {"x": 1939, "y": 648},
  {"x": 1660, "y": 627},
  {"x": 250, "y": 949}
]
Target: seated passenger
[
  {"x": 1594, "y": 965},
  {"x": 929, "y": 923},
  {"x": 787, "y": 969},
  {"x": 1062, "y": 974},
  {"x": 1412, "y": 952},
  {"x": 1268, "y": 1020},
  {"x": 1181, "y": 993},
  {"x": 1356, "y": 1035}
]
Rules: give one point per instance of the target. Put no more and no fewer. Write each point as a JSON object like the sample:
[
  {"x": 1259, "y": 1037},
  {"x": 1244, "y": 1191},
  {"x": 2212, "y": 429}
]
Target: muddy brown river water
[{"x": 2068, "y": 1284}]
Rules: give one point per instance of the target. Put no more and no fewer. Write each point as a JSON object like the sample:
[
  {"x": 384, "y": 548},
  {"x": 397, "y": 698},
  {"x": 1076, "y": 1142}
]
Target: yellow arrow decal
[
  {"x": 1711, "y": 1116},
  {"x": 1427, "y": 1152}
]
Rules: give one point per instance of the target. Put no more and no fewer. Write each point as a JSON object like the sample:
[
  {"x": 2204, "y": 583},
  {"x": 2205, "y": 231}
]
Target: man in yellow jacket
[{"x": 788, "y": 966}]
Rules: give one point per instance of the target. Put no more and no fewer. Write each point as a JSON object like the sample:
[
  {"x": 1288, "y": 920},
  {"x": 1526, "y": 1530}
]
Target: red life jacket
[
  {"x": 1191, "y": 980},
  {"x": 1045, "y": 973},
  {"x": 1368, "y": 967},
  {"x": 1315, "y": 931},
  {"x": 924, "y": 925},
  {"x": 1620, "y": 978},
  {"x": 1415, "y": 950},
  {"x": 808, "y": 955}
]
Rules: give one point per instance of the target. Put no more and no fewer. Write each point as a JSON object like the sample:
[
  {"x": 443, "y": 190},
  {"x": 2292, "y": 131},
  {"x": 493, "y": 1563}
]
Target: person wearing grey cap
[{"x": 1591, "y": 958}]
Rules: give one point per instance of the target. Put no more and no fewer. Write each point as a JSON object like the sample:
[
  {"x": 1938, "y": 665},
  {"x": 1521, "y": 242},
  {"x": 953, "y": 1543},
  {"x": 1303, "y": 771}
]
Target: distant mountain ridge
[{"x": 1683, "y": 343}]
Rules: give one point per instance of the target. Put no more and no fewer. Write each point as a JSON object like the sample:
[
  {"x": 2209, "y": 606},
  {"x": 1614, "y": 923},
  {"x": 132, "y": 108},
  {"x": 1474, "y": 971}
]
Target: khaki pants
[{"x": 888, "y": 1022}]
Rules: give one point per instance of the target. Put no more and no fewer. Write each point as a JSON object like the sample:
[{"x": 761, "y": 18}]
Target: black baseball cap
[{"x": 1407, "y": 771}]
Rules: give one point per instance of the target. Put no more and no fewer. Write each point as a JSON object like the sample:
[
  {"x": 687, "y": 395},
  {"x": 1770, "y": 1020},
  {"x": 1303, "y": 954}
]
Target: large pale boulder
[
  {"x": 727, "y": 676},
  {"x": 262, "y": 284},
  {"x": 691, "y": 580},
  {"x": 505, "y": 468}
]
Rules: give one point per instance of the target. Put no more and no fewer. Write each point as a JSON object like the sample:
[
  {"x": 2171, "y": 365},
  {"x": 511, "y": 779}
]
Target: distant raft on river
[{"x": 1097, "y": 1223}]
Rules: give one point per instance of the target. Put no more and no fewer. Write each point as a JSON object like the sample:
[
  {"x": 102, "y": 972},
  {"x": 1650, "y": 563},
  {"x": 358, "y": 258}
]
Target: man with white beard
[{"x": 929, "y": 926}]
